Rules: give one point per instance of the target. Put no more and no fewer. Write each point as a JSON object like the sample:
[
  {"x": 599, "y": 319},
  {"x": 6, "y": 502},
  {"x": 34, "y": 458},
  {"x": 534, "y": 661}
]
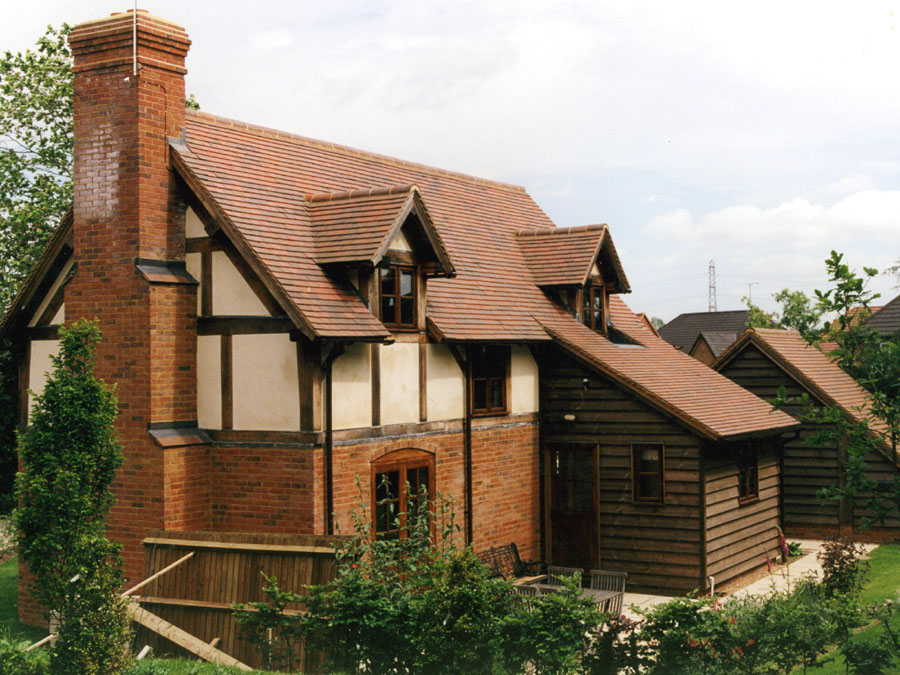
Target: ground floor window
[
  {"x": 402, "y": 483},
  {"x": 748, "y": 474},
  {"x": 648, "y": 483}
]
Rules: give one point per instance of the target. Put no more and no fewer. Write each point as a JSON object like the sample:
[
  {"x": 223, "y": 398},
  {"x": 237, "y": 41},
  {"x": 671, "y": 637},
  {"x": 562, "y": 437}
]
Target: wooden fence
[{"x": 226, "y": 568}]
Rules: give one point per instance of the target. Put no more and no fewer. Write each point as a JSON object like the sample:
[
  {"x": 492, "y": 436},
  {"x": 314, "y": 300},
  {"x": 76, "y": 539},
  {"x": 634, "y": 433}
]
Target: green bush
[
  {"x": 70, "y": 454},
  {"x": 843, "y": 568},
  {"x": 14, "y": 658}
]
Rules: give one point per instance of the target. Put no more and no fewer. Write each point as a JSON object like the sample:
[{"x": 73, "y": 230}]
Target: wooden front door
[{"x": 570, "y": 472}]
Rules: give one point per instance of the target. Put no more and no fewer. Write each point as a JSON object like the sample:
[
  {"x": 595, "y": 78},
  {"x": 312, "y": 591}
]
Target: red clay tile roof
[
  {"x": 254, "y": 181},
  {"x": 818, "y": 374},
  {"x": 358, "y": 226},
  {"x": 671, "y": 380},
  {"x": 566, "y": 255}
]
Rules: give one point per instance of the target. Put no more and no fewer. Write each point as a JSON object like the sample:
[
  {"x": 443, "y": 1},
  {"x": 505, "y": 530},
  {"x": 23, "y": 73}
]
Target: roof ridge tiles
[
  {"x": 306, "y": 140},
  {"x": 576, "y": 229},
  {"x": 354, "y": 194}
]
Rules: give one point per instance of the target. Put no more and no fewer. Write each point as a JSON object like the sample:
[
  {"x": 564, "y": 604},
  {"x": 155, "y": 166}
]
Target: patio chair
[
  {"x": 610, "y": 581},
  {"x": 523, "y": 595},
  {"x": 555, "y": 575}
]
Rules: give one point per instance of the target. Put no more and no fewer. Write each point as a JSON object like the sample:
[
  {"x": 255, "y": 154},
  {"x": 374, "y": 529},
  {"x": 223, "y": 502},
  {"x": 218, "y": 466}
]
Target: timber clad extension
[
  {"x": 764, "y": 360},
  {"x": 283, "y": 315}
]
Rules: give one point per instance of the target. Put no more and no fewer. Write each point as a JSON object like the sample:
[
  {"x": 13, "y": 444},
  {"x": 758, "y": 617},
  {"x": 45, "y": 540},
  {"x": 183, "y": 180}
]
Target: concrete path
[{"x": 780, "y": 579}]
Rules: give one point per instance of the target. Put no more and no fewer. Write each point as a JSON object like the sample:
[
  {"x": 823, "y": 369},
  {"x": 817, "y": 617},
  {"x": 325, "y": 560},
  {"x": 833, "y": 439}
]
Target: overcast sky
[{"x": 759, "y": 135}]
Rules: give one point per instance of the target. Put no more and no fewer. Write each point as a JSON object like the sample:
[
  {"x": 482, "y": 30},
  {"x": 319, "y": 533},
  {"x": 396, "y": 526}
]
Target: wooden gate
[{"x": 226, "y": 568}]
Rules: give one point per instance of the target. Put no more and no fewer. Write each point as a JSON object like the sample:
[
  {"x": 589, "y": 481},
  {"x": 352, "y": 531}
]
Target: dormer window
[
  {"x": 398, "y": 296},
  {"x": 593, "y": 307}
]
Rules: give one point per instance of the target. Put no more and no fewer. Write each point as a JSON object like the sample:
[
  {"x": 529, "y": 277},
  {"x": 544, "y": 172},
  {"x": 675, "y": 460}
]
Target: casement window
[
  {"x": 489, "y": 379},
  {"x": 397, "y": 286},
  {"x": 593, "y": 307},
  {"x": 402, "y": 482},
  {"x": 648, "y": 477},
  {"x": 748, "y": 475}
]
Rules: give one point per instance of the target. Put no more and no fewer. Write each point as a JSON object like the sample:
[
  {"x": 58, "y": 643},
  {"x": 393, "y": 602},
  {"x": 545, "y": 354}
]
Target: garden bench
[{"x": 504, "y": 561}]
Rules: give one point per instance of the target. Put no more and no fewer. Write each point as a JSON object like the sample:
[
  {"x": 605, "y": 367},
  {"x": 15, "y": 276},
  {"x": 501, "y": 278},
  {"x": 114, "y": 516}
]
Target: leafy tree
[
  {"x": 873, "y": 360},
  {"x": 798, "y": 312},
  {"x": 656, "y": 322},
  {"x": 70, "y": 455},
  {"x": 35, "y": 153},
  {"x": 757, "y": 317}
]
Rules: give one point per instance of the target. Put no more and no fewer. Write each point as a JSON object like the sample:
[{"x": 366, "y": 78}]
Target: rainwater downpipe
[
  {"x": 467, "y": 455},
  {"x": 336, "y": 350}
]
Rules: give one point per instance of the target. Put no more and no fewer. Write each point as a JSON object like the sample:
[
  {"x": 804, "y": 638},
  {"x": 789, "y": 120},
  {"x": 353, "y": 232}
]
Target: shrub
[
  {"x": 843, "y": 569},
  {"x": 266, "y": 624},
  {"x": 70, "y": 455},
  {"x": 14, "y": 658}
]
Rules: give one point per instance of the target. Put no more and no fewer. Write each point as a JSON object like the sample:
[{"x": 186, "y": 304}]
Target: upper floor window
[
  {"x": 748, "y": 475},
  {"x": 402, "y": 482},
  {"x": 489, "y": 379},
  {"x": 648, "y": 482},
  {"x": 398, "y": 296},
  {"x": 593, "y": 307}
]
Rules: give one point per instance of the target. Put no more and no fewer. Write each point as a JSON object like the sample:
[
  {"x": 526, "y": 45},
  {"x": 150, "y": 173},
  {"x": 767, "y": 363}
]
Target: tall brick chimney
[{"x": 129, "y": 248}]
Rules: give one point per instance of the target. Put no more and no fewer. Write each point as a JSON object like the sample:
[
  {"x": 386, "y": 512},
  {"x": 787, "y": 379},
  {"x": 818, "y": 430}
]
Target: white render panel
[
  {"x": 60, "y": 317},
  {"x": 400, "y": 243},
  {"x": 399, "y": 383},
  {"x": 39, "y": 366},
  {"x": 445, "y": 384},
  {"x": 524, "y": 384},
  {"x": 266, "y": 395},
  {"x": 193, "y": 228},
  {"x": 351, "y": 388},
  {"x": 194, "y": 264},
  {"x": 232, "y": 296},
  {"x": 209, "y": 381}
]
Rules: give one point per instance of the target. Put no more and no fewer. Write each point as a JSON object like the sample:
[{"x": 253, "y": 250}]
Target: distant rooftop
[{"x": 682, "y": 331}]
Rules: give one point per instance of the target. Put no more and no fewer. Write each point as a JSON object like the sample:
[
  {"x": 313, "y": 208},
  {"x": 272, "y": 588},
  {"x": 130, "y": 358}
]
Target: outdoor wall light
[{"x": 569, "y": 417}]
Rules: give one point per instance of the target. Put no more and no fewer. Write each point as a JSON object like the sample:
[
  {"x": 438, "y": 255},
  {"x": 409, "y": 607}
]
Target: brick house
[{"x": 284, "y": 317}]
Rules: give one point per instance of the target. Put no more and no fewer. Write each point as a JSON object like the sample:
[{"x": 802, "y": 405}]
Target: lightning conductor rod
[
  {"x": 712, "y": 286},
  {"x": 134, "y": 37}
]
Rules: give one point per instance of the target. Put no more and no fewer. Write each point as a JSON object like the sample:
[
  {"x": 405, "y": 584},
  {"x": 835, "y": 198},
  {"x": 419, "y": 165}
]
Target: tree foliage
[
  {"x": 873, "y": 360},
  {"x": 70, "y": 454},
  {"x": 35, "y": 153},
  {"x": 798, "y": 312}
]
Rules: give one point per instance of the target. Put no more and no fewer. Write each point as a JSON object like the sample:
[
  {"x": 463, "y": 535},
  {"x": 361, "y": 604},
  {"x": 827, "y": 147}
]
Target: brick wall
[
  {"x": 264, "y": 489},
  {"x": 187, "y": 488},
  {"x": 506, "y": 488}
]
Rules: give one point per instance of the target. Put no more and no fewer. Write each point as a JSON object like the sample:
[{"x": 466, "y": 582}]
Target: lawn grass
[
  {"x": 9, "y": 620},
  {"x": 884, "y": 584}
]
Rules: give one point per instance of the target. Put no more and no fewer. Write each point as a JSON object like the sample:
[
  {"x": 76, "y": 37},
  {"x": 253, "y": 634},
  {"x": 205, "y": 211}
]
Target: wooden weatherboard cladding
[{"x": 659, "y": 545}]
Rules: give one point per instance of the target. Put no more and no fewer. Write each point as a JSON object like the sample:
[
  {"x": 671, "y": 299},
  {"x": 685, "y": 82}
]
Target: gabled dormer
[
  {"x": 384, "y": 243},
  {"x": 578, "y": 267}
]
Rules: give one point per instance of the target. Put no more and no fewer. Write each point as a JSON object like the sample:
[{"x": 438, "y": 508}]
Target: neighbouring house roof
[
  {"x": 682, "y": 331},
  {"x": 717, "y": 340},
  {"x": 566, "y": 256},
  {"x": 806, "y": 364},
  {"x": 886, "y": 320}
]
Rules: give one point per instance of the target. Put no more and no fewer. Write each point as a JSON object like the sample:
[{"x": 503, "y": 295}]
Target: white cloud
[{"x": 270, "y": 41}]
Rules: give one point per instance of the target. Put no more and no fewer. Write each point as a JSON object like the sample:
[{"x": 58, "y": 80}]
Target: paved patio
[{"x": 779, "y": 579}]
